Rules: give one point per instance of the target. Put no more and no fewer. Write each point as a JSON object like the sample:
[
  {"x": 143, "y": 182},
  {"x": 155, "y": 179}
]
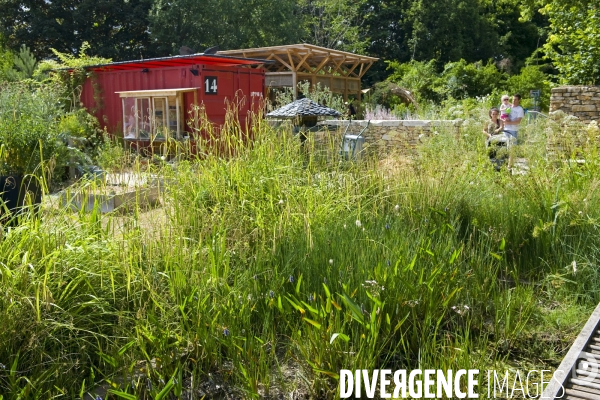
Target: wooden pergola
[{"x": 340, "y": 71}]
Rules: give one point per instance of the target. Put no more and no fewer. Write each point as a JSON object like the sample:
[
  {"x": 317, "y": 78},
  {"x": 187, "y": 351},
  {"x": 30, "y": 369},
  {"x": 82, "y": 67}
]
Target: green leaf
[{"x": 312, "y": 322}]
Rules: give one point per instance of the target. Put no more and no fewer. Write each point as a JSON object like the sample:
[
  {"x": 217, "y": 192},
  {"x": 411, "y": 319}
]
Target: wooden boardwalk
[{"x": 578, "y": 376}]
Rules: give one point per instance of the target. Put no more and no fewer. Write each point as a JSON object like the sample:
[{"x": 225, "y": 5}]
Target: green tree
[
  {"x": 114, "y": 28},
  {"x": 6, "y": 59},
  {"x": 574, "y": 41},
  {"x": 418, "y": 77},
  {"x": 24, "y": 65},
  {"x": 230, "y": 24},
  {"x": 450, "y": 30},
  {"x": 335, "y": 24}
]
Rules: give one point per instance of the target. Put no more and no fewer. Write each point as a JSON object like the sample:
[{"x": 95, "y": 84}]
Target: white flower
[
  {"x": 281, "y": 202},
  {"x": 397, "y": 207},
  {"x": 344, "y": 226},
  {"x": 358, "y": 224},
  {"x": 331, "y": 261}
]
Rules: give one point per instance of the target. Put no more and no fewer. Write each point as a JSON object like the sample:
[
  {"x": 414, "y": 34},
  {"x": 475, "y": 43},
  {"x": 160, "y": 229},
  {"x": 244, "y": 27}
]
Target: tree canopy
[{"x": 506, "y": 32}]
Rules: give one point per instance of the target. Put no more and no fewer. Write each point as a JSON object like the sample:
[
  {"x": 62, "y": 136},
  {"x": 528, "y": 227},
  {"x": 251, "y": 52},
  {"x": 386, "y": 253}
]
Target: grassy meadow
[{"x": 265, "y": 273}]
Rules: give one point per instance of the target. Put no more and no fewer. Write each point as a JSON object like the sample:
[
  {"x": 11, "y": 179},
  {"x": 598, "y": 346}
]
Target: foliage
[
  {"x": 319, "y": 94},
  {"x": 385, "y": 94},
  {"x": 29, "y": 135},
  {"x": 457, "y": 80},
  {"x": 530, "y": 78},
  {"x": 574, "y": 40},
  {"x": 417, "y": 76},
  {"x": 450, "y": 30},
  {"x": 461, "y": 80},
  {"x": 272, "y": 270},
  {"x": 335, "y": 24},
  {"x": 68, "y": 72},
  {"x": 230, "y": 24},
  {"x": 116, "y": 29},
  {"x": 24, "y": 65}
]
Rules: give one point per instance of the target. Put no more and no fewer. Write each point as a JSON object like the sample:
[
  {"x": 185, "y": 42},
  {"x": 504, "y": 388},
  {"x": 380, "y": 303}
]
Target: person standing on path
[{"x": 511, "y": 126}]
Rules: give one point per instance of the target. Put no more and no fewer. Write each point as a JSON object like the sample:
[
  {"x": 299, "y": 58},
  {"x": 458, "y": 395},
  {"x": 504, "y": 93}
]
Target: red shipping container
[{"x": 147, "y": 100}]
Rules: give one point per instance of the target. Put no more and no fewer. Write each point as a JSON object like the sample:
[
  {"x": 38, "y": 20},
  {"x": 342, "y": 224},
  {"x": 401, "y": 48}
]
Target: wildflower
[
  {"x": 358, "y": 224},
  {"x": 388, "y": 262},
  {"x": 397, "y": 207},
  {"x": 225, "y": 332},
  {"x": 310, "y": 298},
  {"x": 387, "y": 226},
  {"x": 344, "y": 226},
  {"x": 291, "y": 279},
  {"x": 98, "y": 397},
  {"x": 2, "y": 366},
  {"x": 580, "y": 212},
  {"x": 461, "y": 310},
  {"x": 280, "y": 202},
  {"x": 412, "y": 303},
  {"x": 331, "y": 261},
  {"x": 271, "y": 293},
  {"x": 426, "y": 220}
]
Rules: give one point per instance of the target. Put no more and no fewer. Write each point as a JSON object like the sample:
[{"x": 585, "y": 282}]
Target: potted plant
[{"x": 29, "y": 141}]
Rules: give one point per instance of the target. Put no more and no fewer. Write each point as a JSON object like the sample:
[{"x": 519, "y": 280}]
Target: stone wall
[
  {"x": 580, "y": 101},
  {"x": 385, "y": 137}
]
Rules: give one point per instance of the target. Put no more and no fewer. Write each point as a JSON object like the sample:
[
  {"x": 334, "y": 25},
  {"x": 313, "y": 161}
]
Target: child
[{"x": 505, "y": 108}]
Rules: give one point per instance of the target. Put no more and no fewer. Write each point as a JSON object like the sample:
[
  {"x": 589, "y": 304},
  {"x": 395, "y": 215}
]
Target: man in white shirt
[{"x": 514, "y": 119}]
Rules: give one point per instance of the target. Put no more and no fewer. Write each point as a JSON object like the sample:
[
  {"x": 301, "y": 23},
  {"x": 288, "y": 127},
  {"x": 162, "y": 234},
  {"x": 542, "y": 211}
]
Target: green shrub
[
  {"x": 29, "y": 134},
  {"x": 531, "y": 77}
]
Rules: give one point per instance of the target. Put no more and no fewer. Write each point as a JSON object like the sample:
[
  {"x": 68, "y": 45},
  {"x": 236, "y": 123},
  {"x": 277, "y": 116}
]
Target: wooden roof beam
[
  {"x": 322, "y": 64},
  {"x": 338, "y": 65},
  {"x": 291, "y": 60},
  {"x": 363, "y": 70},
  {"x": 353, "y": 67},
  {"x": 303, "y": 62},
  {"x": 275, "y": 56}
]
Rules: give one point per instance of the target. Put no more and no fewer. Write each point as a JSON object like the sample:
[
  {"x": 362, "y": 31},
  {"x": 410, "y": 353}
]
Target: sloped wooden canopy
[{"x": 341, "y": 71}]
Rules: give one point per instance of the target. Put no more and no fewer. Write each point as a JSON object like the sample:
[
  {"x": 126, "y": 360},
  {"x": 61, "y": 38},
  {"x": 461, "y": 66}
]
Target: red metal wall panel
[{"x": 248, "y": 84}]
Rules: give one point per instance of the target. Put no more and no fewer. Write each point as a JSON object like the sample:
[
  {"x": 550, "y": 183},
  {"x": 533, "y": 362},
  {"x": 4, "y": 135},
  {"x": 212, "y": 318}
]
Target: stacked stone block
[
  {"x": 388, "y": 136},
  {"x": 580, "y": 101}
]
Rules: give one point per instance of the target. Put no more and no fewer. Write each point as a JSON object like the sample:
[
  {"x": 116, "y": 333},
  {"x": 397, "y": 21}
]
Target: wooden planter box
[{"x": 123, "y": 200}]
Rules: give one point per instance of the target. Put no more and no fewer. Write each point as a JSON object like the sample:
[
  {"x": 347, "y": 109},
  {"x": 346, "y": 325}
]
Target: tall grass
[{"x": 269, "y": 271}]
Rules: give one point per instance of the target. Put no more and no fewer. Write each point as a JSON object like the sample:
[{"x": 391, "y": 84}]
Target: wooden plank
[
  {"x": 322, "y": 64},
  {"x": 584, "y": 389},
  {"x": 303, "y": 62},
  {"x": 157, "y": 92},
  {"x": 574, "y": 353},
  {"x": 352, "y": 68},
  {"x": 275, "y": 56},
  {"x": 582, "y": 394},
  {"x": 582, "y": 382},
  {"x": 363, "y": 70},
  {"x": 291, "y": 60}
]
